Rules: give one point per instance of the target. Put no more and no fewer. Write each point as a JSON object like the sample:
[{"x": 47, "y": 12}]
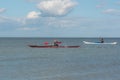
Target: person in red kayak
[{"x": 56, "y": 43}]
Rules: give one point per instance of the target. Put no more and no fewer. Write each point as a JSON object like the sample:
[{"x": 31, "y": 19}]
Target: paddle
[
  {"x": 46, "y": 43},
  {"x": 59, "y": 42}
]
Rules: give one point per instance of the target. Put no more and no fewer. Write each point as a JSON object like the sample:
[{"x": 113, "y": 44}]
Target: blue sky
[{"x": 59, "y": 18}]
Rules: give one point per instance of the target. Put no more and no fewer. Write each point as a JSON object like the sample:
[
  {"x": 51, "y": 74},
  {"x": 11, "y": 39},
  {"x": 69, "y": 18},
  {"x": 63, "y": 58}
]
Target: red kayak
[{"x": 36, "y": 46}]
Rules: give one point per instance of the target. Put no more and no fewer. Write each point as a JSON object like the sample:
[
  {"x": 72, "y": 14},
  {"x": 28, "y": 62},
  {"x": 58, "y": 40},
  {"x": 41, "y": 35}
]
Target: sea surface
[{"x": 89, "y": 62}]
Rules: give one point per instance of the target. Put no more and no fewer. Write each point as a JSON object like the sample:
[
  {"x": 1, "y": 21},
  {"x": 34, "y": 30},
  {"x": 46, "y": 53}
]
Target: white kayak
[{"x": 86, "y": 42}]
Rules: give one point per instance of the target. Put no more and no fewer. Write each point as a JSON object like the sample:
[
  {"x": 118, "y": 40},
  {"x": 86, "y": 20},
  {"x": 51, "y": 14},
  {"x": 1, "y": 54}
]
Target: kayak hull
[
  {"x": 37, "y": 46},
  {"x": 86, "y": 42}
]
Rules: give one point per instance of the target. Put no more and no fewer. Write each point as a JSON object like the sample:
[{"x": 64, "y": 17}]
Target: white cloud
[
  {"x": 112, "y": 12},
  {"x": 2, "y": 10},
  {"x": 100, "y": 6},
  {"x": 56, "y": 7},
  {"x": 35, "y": 0},
  {"x": 52, "y": 26},
  {"x": 102, "y": 3},
  {"x": 33, "y": 15},
  {"x": 118, "y": 3},
  {"x": 28, "y": 29}
]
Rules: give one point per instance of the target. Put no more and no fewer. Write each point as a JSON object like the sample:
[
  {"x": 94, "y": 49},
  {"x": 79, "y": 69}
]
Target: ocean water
[{"x": 89, "y": 62}]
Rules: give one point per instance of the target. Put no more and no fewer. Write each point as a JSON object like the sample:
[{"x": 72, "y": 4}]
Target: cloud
[
  {"x": 28, "y": 29},
  {"x": 100, "y": 6},
  {"x": 2, "y": 10},
  {"x": 55, "y": 7},
  {"x": 56, "y": 27},
  {"x": 33, "y": 15},
  {"x": 118, "y": 3},
  {"x": 112, "y": 12},
  {"x": 35, "y": 0},
  {"x": 8, "y": 24}
]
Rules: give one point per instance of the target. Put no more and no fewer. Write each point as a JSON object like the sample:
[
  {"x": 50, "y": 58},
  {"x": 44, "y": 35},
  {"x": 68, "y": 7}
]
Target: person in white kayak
[{"x": 101, "y": 40}]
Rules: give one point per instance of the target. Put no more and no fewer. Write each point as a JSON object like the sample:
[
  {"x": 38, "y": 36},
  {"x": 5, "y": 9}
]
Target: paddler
[
  {"x": 56, "y": 43},
  {"x": 102, "y": 40}
]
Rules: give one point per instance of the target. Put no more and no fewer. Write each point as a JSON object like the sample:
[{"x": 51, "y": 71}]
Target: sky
[{"x": 59, "y": 18}]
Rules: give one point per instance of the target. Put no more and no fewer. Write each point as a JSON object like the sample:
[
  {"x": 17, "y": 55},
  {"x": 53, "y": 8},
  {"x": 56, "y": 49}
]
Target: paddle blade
[
  {"x": 59, "y": 42},
  {"x": 46, "y": 43}
]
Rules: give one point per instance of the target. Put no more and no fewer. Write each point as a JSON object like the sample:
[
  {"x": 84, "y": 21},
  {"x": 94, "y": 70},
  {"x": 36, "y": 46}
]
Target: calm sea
[{"x": 89, "y": 62}]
